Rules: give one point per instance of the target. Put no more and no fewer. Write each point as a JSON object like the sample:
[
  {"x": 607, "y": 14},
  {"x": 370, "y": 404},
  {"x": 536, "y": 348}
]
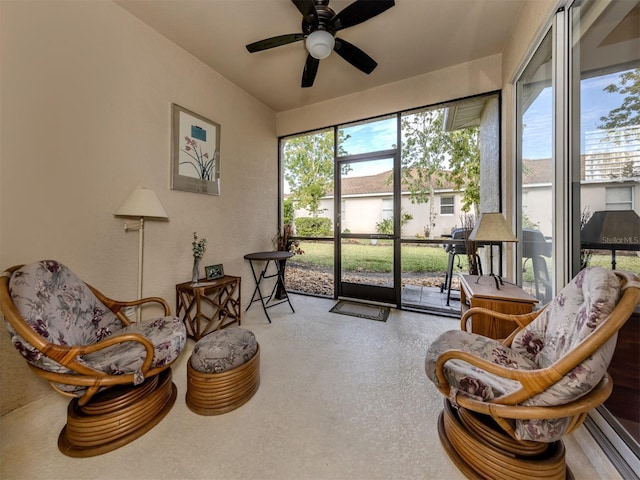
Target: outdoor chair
[
  {"x": 117, "y": 372},
  {"x": 535, "y": 247},
  {"x": 454, "y": 251},
  {"x": 509, "y": 403}
]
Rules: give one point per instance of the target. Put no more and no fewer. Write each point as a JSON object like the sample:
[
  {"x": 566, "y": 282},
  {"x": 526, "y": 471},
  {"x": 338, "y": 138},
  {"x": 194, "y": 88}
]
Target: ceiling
[{"x": 412, "y": 38}]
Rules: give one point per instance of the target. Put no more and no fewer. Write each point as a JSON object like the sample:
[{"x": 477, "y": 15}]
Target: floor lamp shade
[{"x": 141, "y": 203}]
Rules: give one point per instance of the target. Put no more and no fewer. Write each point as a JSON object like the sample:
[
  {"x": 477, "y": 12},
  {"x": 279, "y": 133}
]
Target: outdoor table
[{"x": 279, "y": 259}]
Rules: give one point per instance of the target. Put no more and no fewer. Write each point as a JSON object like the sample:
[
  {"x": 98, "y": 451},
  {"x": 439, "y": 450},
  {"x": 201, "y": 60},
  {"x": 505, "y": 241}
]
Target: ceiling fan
[{"x": 319, "y": 26}]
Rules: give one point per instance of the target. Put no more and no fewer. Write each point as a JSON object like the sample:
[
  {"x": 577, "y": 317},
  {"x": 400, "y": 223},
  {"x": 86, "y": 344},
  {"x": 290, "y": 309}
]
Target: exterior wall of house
[
  {"x": 538, "y": 201},
  {"x": 361, "y": 214},
  {"x": 86, "y": 94},
  {"x": 538, "y": 205}
]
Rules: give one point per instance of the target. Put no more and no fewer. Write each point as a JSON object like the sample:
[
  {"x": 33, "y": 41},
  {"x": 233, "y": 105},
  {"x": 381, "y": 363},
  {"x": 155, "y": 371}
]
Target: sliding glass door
[{"x": 578, "y": 132}]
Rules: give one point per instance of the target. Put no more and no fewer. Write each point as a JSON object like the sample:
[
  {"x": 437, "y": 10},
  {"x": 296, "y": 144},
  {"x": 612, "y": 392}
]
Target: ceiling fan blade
[
  {"x": 355, "y": 56},
  {"x": 309, "y": 72},
  {"x": 358, "y": 12},
  {"x": 307, "y": 9},
  {"x": 274, "y": 42}
]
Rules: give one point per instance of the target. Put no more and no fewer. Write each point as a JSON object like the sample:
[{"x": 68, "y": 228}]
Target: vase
[{"x": 196, "y": 269}]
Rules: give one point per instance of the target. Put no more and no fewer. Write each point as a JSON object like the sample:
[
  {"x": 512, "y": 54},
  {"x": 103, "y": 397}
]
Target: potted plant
[{"x": 284, "y": 242}]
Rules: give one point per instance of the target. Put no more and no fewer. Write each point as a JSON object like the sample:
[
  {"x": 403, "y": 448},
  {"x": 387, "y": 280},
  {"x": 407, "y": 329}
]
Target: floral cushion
[
  {"x": 465, "y": 378},
  {"x": 575, "y": 312},
  {"x": 62, "y": 309},
  {"x": 224, "y": 350}
]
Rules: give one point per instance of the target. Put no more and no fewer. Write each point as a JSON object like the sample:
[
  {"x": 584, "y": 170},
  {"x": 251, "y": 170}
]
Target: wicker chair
[
  {"x": 509, "y": 403},
  {"x": 117, "y": 372}
]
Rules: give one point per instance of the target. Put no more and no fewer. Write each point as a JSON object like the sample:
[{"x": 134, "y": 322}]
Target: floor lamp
[
  {"x": 489, "y": 229},
  {"x": 141, "y": 203}
]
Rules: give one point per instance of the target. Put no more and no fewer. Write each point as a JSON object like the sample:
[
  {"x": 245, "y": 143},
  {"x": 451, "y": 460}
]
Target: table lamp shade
[
  {"x": 612, "y": 227},
  {"x": 142, "y": 202},
  {"x": 492, "y": 227}
]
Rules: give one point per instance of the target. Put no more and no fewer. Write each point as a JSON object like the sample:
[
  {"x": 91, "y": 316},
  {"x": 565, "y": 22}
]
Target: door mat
[{"x": 361, "y": 310}]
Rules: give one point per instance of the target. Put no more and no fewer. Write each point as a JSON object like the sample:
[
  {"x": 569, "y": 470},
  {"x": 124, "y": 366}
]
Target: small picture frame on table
[{"x": 214, "y": 272}]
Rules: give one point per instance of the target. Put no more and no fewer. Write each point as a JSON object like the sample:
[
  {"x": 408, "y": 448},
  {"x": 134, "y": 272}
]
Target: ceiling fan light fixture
[{"x": 320, "y": 44}]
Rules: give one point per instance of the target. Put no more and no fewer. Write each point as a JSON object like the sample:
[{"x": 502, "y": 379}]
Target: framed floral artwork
[{"x": 195, "y": 158}]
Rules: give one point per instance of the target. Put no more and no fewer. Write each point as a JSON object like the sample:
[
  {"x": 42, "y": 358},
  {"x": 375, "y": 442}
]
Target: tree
[
  {"x": 308, "y": 168},
  {"x": 428, "y": 149},
  {"x": 464, "y": 166},
  {"x": 622, "y": 124},
  {"x": 627, "y": 114}
]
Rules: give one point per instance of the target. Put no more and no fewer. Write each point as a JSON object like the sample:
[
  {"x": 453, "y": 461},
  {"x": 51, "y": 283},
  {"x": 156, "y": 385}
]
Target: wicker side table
[{"x": 208, "y": 305}]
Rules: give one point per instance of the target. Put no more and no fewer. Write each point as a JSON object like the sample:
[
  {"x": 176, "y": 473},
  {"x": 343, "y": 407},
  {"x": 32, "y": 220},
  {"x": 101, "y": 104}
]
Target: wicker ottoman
[{"x": 223, "y": 372}]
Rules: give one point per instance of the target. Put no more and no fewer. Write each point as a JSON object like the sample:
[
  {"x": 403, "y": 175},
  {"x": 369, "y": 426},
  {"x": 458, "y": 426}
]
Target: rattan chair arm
[
  {"x": 68, "y": 355},
  {"x": 524, "y": 412},
  {"x": 522, "y": 320},
  {"x": 116, "y": 306}
]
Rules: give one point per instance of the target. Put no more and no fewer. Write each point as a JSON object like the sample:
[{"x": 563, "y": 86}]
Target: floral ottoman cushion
[{"x": 224, "y": 350}]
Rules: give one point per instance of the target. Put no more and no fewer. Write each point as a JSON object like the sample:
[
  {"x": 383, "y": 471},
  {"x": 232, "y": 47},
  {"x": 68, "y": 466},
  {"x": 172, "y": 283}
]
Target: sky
[
  {"x": 537, "y": 139},
  {"x": 594, "y": 103},
  {"x": 537, "y": 144}
]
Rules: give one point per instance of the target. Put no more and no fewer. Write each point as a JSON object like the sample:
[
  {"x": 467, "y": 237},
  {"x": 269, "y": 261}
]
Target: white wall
[
  {"x": 459, "y": 81},
  {"x": 86, "y": 96}
]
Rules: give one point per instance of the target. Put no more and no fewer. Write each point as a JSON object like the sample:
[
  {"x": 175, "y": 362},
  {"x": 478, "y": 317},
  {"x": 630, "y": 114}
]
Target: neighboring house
[
  {"x": 605, "y": 185},
  {"x": 608, "y": 181},
  {"x": 368, "y": 200}
]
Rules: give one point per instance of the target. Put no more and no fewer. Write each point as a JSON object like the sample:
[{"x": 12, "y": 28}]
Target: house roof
[
  {"x": 373, "y": 184},
  {"x": 535, "y": 172}
]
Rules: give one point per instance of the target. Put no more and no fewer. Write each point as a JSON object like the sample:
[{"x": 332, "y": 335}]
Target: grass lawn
[
  {"x": 415, "y": 258},
  {"x": 376, "y": 258}
]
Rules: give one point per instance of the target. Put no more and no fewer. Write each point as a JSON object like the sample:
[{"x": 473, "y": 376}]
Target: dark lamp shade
[{"x": 612, "y": 227}]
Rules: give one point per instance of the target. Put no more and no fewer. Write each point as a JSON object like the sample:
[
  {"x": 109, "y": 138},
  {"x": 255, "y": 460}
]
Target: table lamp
[
  {"x": 489, "y": 229},
  {"x": 612, "y": 230},
  {"x": 141, "y": 203}
]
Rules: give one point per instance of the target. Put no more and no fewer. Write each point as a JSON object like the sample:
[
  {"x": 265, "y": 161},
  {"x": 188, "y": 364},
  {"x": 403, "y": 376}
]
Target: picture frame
[
  {"x": 214, "y": 272},
  {"x": 195, "y": 152}
]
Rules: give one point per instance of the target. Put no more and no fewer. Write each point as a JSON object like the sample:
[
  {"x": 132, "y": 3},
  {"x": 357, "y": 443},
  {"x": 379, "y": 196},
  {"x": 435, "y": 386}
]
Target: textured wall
[
  {"x": 490, "y": 171},
  {"x": 471, "y": 78},
  {"x": 86, "y": 105}
]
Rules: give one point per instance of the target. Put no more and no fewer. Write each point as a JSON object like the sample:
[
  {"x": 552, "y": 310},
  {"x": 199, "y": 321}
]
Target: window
[
  {"x": 619, "y": 198},
  {"x": 534, "y": 103},
  {"x": 446, "y": 205},
  {"x": 387, "y": 208}
]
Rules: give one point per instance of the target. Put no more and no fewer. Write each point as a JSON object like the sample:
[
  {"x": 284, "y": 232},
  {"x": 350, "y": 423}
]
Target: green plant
[
  {"x": 386, "y": 225},
  {"x": 313, "y": 226},
  {"x": 287, "y": 211},
  {"x": 284, "y": 243},
  {"x": 199, "y": 246}
]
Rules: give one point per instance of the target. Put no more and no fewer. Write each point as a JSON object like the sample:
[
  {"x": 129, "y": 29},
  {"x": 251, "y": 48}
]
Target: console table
[
  {"x": 481, "y": 291},
  {"x": 208, "y": 305}
]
